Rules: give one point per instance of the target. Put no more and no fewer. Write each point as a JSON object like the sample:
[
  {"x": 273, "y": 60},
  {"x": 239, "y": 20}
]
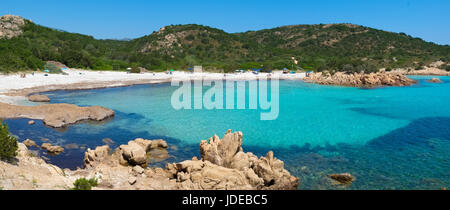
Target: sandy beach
[{"x": 13, "y": 88}]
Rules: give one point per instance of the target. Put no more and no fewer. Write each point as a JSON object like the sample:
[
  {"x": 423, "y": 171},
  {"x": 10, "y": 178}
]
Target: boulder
[
  {"x": 134, "y": 153},
  {"x": 30, "y": 143},
  {"x": 132, "y": 180},
  {"x": 138, "y": 170},
  {"x": 159, "y": 144},
  {"x": 139, "y": 151},
  {"x": 342, "y": 179},
  {"x": 38, "y": 98},
  {"x": 55, "y": 150},
  {"x": 31, "y": 122}
]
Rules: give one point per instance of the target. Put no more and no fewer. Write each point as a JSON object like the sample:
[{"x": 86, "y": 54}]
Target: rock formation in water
[
  {"x": 342, "y": 179},
  {"x": 54, "y": 150},
  {"x": 30, "y": 143},
  {"x": 39, "y": 98},
  {"x": 435, "y": 80},
  {"x": 56, "y": 115},
  {"x": 361, "y": 79},
  {"x": 224, "y": 165}
]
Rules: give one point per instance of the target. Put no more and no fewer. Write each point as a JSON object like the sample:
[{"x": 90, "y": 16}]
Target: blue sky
[{"x": 429, "y": 20}]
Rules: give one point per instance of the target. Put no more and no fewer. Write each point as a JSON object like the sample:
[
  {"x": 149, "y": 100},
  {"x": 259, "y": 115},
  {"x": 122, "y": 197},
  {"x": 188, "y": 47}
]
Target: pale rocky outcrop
[
  {"x": 39, "y": 98},
  {"x": 55, "y": 115},
  {"x": 135, "y": 153},
  {"x": 361, "y": 79},
  {"x": 28, "y": 172},
  {"x": 237, "y": 170},
  {"x": 11, "y": 26},
  {"x": 224, "y": 165},
  {"x": 93, "y": 157}
]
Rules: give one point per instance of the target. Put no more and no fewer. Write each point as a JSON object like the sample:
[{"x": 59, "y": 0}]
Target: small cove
[{"x": 389, "y": 138}]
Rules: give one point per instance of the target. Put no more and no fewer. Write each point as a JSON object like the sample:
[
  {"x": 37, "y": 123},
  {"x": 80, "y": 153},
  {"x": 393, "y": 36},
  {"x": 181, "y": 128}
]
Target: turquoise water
[{"x": 389, "y": 138}]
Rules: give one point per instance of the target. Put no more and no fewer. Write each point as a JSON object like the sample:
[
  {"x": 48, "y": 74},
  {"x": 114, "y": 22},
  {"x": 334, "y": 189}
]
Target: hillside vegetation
[{"x": 335, "y": 47}]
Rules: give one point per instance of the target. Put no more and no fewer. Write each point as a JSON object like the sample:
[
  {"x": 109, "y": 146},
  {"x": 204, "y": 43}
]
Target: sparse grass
[{"x": 35, "y": 181}]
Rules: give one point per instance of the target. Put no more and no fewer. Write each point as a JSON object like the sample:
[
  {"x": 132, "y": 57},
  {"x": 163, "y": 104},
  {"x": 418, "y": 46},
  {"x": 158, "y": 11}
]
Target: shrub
[
  {"x": 52, "y": 68},
  {"x": 8, "y": 143},
  {"x": 135, "y": 70},
  {"x": 445, "y": 67},
  {"x": 84, "y": 184}
]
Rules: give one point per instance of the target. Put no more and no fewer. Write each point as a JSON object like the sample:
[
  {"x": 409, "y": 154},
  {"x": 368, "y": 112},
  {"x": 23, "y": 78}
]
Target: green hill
[{"x": 25, "y": 45}]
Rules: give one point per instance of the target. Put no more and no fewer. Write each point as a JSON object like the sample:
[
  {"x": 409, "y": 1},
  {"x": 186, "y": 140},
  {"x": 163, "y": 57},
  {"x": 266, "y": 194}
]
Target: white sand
[{"x": 14, "y": 82}]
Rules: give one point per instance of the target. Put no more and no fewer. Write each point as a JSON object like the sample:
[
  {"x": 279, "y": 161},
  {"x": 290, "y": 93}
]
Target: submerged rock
[
  {"x": 108, "y": 141},
  {"x": 435, "y": 80},
  {"x": 39, "y": 98},
  {"x": 72, "y": 146},
  {"x": 344, "y": 179}
]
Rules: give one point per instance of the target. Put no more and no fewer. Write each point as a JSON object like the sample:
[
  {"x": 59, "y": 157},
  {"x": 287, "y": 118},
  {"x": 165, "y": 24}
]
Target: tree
[{"x": 8, "y": 143}]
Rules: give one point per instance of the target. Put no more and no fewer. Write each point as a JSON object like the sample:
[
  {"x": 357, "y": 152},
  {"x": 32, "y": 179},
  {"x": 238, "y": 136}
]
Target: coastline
[
  {"x": 126, "y": 168},
  {"x": 14, "y": 94},
  {"x": 12, "y": 91}
]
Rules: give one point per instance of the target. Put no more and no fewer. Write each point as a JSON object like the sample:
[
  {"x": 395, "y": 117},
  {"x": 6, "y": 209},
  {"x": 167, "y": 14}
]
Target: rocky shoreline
[
  {"x": 55, "y": 115},
  {"x": 223, "y": 166},
  {"x": 360, "y": 79}
]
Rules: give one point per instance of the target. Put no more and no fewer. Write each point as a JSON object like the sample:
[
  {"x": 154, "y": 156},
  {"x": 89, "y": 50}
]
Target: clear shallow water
[{"x": 389, "y": 138}]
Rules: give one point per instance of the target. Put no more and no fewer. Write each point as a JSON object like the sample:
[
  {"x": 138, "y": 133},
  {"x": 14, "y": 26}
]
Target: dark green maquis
[{"x": 320, "y": 47}]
